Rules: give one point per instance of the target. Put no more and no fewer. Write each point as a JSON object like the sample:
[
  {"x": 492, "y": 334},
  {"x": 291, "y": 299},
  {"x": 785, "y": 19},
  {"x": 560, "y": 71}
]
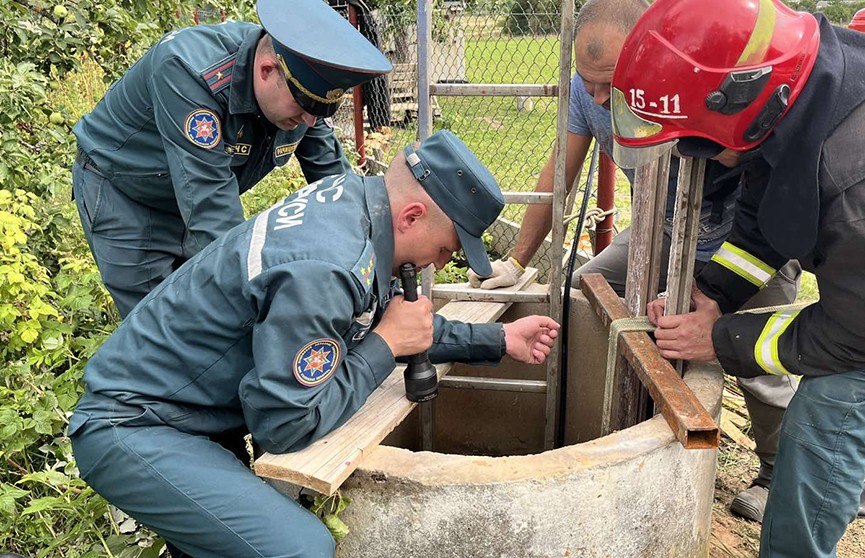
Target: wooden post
[
  {"x": 554, "y": 398},
  {"x": 644, "y": 268},
  {"x": 686, "y": 222},
  {"x": 683, "y": 247}
]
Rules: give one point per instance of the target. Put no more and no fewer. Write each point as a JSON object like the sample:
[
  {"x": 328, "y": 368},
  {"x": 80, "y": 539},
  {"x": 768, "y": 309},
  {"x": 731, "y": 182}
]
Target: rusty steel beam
[{"x": 686, "y": 416}]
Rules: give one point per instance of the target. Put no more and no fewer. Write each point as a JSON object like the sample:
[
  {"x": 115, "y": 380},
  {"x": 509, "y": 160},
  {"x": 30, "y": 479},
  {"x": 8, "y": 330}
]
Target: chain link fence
[{"x": 496, "y": 42}]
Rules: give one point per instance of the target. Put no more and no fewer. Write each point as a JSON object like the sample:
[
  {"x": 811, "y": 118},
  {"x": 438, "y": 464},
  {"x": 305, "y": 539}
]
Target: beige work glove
[{"x": 505, "y": 274}]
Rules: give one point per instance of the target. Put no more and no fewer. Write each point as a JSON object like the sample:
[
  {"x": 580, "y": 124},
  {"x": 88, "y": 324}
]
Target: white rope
[{"x": 594, "y": 215}]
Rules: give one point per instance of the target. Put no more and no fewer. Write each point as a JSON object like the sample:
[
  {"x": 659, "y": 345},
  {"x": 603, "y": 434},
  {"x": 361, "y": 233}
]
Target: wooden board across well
[{"x": 324, "y": 465}]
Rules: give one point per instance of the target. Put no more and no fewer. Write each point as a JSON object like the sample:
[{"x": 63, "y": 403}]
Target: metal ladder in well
[{"x": 551, "y": 385}]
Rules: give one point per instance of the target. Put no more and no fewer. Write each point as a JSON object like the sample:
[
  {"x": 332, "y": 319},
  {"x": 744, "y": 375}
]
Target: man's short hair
[{"x": 621, "y": 14}]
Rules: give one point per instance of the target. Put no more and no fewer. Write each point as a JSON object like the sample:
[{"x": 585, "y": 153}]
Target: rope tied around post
[
  {"x": 617, "y": 327},
  {"x": 594, "y": 215}
]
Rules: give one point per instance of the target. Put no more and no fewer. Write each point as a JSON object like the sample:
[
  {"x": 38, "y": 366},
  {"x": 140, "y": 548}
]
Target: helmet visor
[{"x": 628, "y": 125}]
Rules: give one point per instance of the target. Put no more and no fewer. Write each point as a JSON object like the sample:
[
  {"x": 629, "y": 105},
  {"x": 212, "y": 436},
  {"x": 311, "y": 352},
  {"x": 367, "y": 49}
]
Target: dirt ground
[{"x": 734, "y": 537}]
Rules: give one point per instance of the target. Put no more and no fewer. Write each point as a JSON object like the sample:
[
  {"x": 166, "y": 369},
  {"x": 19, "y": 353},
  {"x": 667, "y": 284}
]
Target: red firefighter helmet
[
  {"x": 858, "y": 21},
  {"x": 724, "y": 70}
]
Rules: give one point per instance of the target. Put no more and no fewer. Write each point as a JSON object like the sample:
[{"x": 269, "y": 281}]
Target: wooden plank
[
  {"x": 542, "y": 198},
  {"x": 324, "y": 465},
  {"x": 465, "y": 292},
  {"x": 554, "y": 409},
  {"x": 686, "y": 416},
  {"x": 683, "y": 245},
  {"x": 644, "y": 268},
  {"x": 494, "y": 90},
  {"x": 732, "y": 431}
]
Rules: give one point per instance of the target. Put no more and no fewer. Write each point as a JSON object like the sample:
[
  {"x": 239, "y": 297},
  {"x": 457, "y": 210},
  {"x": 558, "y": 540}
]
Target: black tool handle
[
  {"x": 421, "y": 380},
  {"x": 408, "y": 277}
]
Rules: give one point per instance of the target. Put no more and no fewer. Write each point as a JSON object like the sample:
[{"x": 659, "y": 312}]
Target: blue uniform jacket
[
  {"x": 271, "y": 325},
  {"x": 181, "y": 131}
]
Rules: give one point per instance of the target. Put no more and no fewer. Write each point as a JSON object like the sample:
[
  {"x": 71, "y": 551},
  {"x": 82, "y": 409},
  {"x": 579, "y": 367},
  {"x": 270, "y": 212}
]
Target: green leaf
[
  {"x": 336, "y": 526},
  {"x": 8, "y": 495},
  {"x": 42, "y": 504},
  {"x": 344, "y": 501}
]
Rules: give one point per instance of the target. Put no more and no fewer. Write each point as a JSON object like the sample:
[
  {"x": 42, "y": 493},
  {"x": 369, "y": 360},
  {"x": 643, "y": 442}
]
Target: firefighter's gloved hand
[{"x": 505, "y": 274}]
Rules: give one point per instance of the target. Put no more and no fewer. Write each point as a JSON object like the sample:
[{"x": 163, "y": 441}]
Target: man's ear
[
  {"x": 268, "y": 68},
  {"x": 410, "y": 215}
]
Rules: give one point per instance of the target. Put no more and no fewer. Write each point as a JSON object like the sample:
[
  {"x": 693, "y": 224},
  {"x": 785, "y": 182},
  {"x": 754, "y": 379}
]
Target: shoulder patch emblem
[
  {"x": 316, "y": 362},
  {"x": 202, "y": 128}
]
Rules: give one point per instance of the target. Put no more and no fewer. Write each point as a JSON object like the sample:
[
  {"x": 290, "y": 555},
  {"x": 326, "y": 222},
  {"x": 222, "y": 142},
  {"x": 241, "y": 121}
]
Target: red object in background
[
  {"x": 858, "y": 21},
  {"x": 606, "y": 195},
  {"x": 357, "y": 97}
]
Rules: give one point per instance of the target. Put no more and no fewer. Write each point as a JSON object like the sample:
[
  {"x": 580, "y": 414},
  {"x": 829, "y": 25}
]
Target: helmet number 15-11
[{"x": 664, "y": 105}]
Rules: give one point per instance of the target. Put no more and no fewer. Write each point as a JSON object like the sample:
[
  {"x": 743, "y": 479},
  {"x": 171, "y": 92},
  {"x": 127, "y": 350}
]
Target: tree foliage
[
  {"x": 533, "y": 17},
  {"x": 839, "y": 12}
]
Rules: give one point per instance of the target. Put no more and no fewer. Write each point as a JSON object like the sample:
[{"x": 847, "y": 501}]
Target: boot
[
  {"x": 861, "y": 505},
  {"x": 751, "y": 503}
]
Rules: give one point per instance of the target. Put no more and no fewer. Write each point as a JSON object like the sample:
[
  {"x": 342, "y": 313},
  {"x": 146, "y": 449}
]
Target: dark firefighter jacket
[{"x": 804, "y": 198}]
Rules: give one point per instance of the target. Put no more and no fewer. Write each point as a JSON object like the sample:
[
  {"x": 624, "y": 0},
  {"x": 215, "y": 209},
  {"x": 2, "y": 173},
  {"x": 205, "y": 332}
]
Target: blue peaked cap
[
  {"x": 462, "y": 187},
  {"x": 321, "y": 53}
]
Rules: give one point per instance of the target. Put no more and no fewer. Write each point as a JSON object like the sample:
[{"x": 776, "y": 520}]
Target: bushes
[
  {"x": 533, "y": 17},
  {"x": 54, "y": 312}
]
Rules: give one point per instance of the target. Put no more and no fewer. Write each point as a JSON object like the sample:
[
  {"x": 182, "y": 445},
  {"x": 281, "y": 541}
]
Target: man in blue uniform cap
[
  {"x": 203, "y": 116},
  {"x": 281, "y": 329}
]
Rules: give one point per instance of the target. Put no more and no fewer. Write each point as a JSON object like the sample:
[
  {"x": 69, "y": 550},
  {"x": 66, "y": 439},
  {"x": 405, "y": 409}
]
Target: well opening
[
  {"x": 499, "y": 423},
  {"x": 488, "y": 489}
]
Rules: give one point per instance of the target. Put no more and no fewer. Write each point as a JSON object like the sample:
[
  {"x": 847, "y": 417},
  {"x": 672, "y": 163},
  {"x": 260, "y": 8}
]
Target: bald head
[
  {"x": 423, "y": 233},
  {"x": 403, "y": 188},
  {"x": 600, "y": 30}
]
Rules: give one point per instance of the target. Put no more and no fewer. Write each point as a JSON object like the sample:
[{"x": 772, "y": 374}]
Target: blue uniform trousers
[
  {"x": 135, "y": 246},
  {"x": 194, "y": 493},
  {"x": 819, "y": 468}
]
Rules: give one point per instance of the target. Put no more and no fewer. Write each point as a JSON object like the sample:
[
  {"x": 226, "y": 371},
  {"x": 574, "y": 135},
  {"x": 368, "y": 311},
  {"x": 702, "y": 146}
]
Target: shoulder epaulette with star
[
  {"x": 364, "y": 268},
  {"x": 218, "y": 76}
]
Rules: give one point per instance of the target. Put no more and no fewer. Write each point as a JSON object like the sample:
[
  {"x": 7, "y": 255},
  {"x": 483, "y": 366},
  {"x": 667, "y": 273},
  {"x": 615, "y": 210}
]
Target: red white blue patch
[
  {"x": 316, "y": 362},
  {"x": 203, "y": 128}
]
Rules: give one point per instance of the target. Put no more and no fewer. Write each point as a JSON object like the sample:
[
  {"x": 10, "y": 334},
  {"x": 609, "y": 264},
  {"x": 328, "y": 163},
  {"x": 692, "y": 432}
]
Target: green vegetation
[{"x": 532, "y": 17}]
